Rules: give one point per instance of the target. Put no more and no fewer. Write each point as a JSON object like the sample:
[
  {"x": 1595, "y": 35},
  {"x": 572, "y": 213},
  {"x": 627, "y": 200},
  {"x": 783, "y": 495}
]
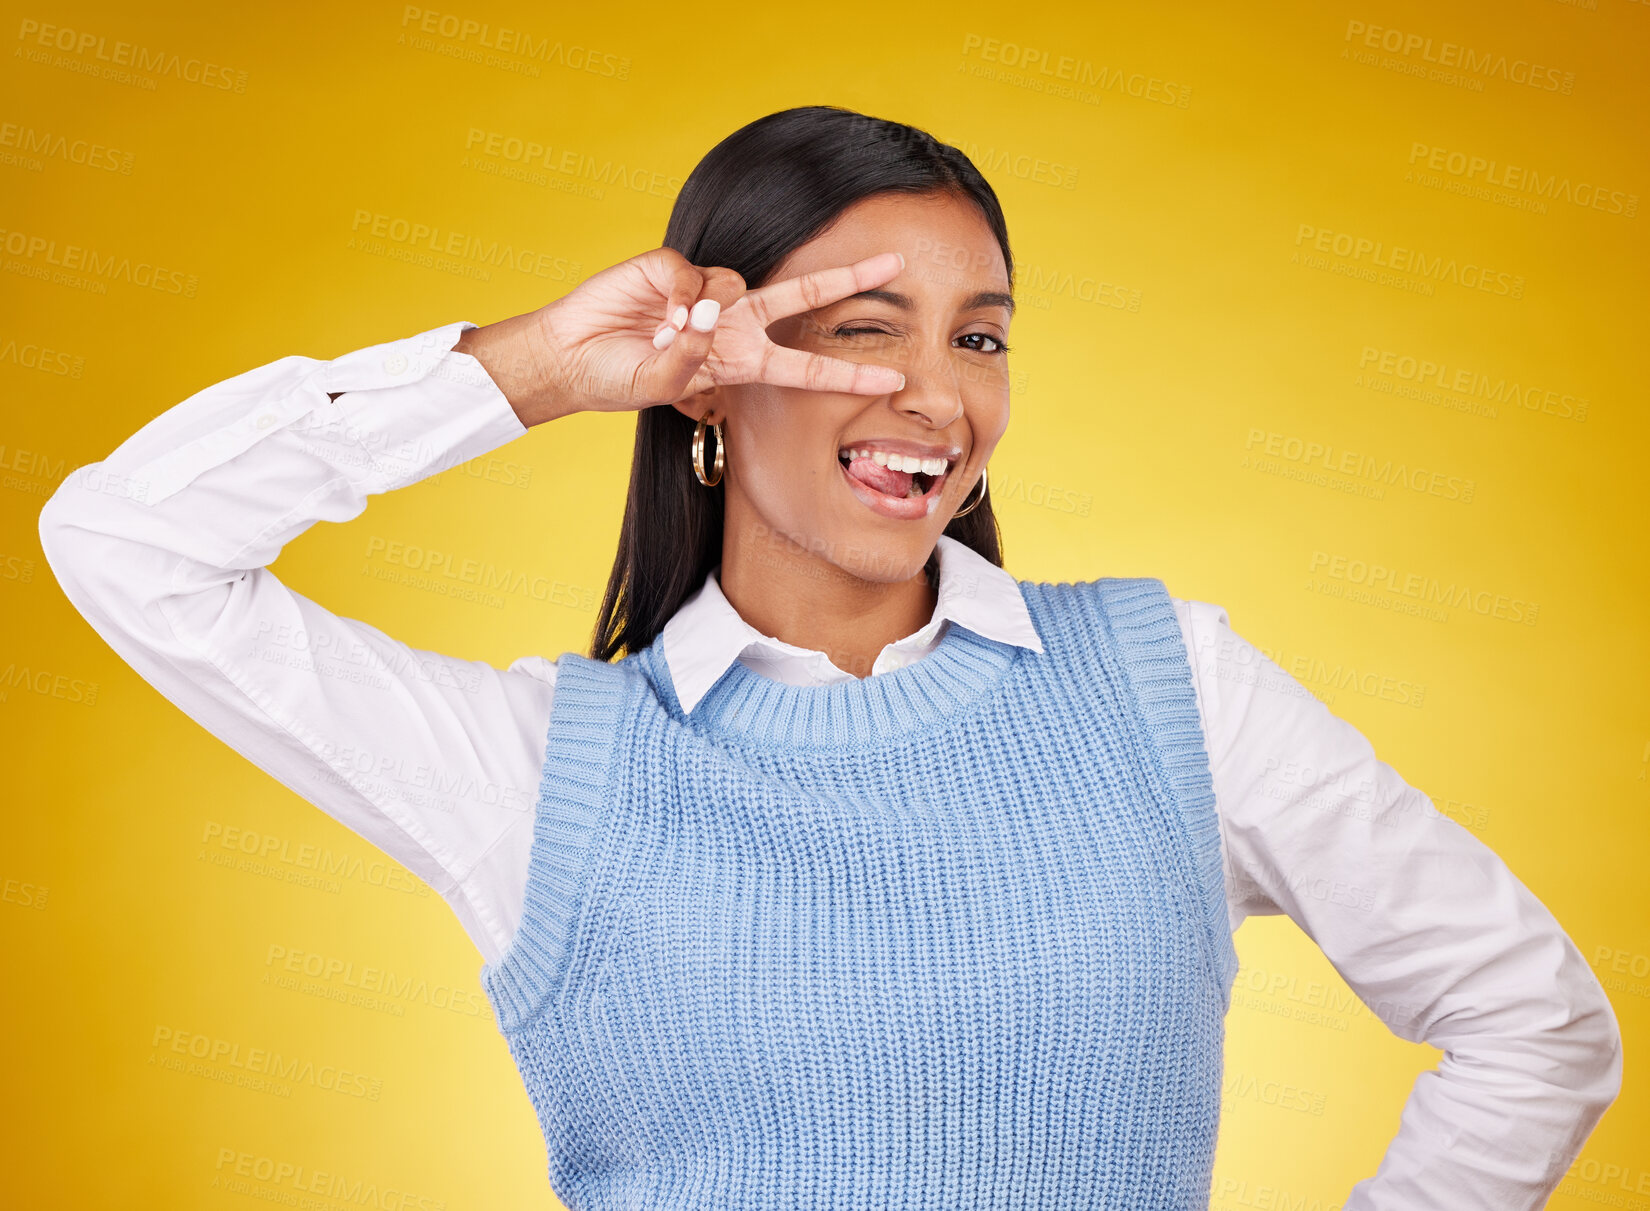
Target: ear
[{"x": 695, "y": 406}]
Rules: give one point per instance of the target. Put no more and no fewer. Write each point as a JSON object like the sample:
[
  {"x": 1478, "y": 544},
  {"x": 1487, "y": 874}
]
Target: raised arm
[
  {"x": 163, "y": 547},
  {"x": 1425, "y": 923}
]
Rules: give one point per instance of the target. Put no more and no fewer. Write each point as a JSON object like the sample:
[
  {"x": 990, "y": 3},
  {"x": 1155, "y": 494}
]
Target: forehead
[{"x": 945, "y": 239}]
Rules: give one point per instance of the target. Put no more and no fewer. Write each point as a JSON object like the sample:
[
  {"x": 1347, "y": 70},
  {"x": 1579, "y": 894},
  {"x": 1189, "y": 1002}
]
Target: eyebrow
[{"x": 981, "y": 298}]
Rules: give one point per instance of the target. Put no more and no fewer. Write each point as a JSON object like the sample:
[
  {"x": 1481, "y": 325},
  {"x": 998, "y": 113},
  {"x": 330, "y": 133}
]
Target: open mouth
[{"x": 897, "y": 476}]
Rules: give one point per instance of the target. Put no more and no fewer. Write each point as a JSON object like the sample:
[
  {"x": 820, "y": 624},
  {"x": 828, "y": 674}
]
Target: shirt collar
[{"x": 706, "y": 635}]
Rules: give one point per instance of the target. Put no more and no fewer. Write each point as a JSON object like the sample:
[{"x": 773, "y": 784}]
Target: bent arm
[
  {"x": 163, "y": 547},
  {"x": 1426, "y": 924}
]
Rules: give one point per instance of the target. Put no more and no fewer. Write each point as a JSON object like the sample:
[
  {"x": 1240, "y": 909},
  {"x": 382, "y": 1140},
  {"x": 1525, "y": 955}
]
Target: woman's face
[{"x": 943, "y": 321}]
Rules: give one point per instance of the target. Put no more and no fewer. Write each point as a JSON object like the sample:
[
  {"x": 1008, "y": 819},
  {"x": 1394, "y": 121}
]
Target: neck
[{"x": 797, "y": 596}]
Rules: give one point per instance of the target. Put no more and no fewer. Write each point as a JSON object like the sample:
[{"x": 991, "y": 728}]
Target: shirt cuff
[{"x": 416, "y": 407}]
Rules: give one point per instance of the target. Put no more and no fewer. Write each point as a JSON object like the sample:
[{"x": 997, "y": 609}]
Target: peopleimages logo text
[
  {"x": 1410, "y": 260},
  {"x": 1454, "y": 54}
]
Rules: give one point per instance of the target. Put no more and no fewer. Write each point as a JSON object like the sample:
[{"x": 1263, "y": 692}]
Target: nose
[{"x": 931, "y": 391}]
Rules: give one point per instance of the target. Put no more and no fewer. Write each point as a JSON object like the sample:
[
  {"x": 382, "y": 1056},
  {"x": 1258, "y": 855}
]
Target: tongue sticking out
[{"x": 892, "y": 483}]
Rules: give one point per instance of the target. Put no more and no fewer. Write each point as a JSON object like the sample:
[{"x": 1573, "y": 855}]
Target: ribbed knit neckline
[{"x": 952, "y": 680}]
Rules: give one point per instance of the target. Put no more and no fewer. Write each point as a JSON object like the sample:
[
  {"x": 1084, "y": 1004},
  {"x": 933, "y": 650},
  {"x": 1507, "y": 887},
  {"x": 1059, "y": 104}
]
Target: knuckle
[
  {"x": 726, "y": 281},
  {"x": 813, "y": 291}
]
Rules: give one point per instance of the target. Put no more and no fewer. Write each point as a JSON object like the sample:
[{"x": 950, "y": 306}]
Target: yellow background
[{"x": 1132, "y": 452}]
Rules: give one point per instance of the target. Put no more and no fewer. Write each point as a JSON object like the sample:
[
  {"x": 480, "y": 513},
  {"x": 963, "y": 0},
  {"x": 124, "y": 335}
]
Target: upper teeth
[{"x": 901, "y": 462}]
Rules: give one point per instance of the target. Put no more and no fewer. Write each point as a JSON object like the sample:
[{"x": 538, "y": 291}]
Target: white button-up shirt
[{"x": 436, "y": 760}]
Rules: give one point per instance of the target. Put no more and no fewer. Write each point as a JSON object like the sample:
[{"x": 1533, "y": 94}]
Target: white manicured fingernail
[
  {"x": 703, "y": 316},
  {"x": 678, "y": 317},
  {"x": 662, "y": 339}
]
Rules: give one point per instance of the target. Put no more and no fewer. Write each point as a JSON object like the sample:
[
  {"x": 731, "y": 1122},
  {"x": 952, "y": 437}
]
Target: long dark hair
[{"x": 763, "y": 191}]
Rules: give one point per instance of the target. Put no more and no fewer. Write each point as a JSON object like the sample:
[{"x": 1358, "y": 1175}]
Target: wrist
[{"x": 515, "y": 354}]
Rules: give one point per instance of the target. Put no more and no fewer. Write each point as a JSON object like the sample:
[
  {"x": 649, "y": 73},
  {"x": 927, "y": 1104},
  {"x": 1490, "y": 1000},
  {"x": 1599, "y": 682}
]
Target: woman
[{"x": 867, "y": 872}]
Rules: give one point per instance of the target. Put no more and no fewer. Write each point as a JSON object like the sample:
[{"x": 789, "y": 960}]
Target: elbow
[
  {"x": 57, "y": 528},
  {"x": 64, "y": 521},
  {"x": 1591, "y": 1045},
  {"x": 81, "y": 537},
  {"x": 1607, "y": 1059},
  {"x": 1562, "y": 1033}
]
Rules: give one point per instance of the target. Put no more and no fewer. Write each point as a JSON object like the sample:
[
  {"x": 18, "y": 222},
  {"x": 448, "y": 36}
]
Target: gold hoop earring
[
  {"x": 977, "y": 499},
  {"x": 699, "y": 452}
]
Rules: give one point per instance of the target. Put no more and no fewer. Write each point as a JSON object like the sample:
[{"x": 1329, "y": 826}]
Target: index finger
[{"x": 810, "y": 291}]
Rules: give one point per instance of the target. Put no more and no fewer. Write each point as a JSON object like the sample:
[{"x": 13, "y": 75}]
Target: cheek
[
  {"x": 784, "y": 440},
  {"x": 987, "y": 420}
]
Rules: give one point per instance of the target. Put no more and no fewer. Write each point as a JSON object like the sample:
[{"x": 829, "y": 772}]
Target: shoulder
[
  {"x": 1126, "y": 596},
  {"x": 1203, "y": 628},
  {"x": 1134, "y": 611},
  {"x": 1201, "y": 624},
  {"x": 541, "y": 668}
]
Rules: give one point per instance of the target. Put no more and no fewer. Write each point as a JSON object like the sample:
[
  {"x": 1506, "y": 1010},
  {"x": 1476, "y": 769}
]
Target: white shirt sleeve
[
  {"x": 1424, "y": 922},
  {"x": 163, "y": 547}
]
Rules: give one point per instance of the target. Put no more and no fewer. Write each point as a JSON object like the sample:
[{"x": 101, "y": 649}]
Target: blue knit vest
[{"x": 950, "y": 936}]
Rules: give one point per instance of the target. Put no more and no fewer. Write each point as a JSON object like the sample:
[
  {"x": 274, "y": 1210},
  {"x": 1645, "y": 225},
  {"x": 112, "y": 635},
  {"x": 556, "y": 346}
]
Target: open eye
[
  {"x": 1001, "y": 345},
  {"x": 997, "y": 344}
]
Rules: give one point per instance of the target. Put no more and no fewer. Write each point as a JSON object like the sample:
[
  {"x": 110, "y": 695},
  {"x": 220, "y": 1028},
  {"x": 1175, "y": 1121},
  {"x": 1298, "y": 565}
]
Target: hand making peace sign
[{"x": 656, "y": 329}]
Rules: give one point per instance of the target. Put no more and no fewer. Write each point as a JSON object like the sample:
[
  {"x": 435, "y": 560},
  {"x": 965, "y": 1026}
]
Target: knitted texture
[{"x": 951, "y": 936}]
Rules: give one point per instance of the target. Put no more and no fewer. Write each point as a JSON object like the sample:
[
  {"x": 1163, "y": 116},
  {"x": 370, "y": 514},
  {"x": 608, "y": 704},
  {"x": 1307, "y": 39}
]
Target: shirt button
[
  {"x": 395, "y": 363},
  {"x": 265, "y": 421}
]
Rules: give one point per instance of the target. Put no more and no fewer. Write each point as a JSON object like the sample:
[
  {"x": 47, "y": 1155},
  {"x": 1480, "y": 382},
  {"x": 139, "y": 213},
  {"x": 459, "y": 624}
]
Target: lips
[{"x": 905, "y": 507}]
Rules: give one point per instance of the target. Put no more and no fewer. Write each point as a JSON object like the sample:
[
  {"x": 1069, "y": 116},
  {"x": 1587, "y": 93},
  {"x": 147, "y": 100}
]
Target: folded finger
[{"x": 680, "y": 282}]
